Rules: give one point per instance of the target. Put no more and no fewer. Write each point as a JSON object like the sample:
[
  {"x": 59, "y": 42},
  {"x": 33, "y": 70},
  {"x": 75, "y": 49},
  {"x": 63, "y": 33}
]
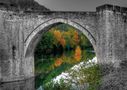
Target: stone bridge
[{"x": 106, "y": 28}]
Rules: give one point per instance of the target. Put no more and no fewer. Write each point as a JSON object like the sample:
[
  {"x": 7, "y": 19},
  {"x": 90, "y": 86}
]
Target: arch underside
[{"x": 34, "y": 37}]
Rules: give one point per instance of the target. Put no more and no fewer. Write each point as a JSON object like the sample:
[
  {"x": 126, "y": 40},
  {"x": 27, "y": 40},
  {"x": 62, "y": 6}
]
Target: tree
[
  {"x": 75, "y": 38},
  {"x": 45, "y": 45},
  {"x": 77, "y": 54},
  {"x": 57, "y": 35},
  {"x": 62, "y": 42},
  {"x": 58, "y": 62},
  {"x": 84, "y": 42}
]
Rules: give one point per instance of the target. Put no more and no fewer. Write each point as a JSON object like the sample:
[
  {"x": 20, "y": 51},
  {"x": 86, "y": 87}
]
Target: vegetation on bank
[
  {"x": 83, "y": 79},
  {"x": 60, "y": 39},
  {"x": 60, "y": 49}
]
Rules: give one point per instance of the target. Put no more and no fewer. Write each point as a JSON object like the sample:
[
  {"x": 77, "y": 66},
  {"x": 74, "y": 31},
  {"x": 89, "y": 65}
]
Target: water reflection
[
  {"x": 59, "y": 49},
  {"x": 51, "y": 66},
  {"x": 20, "y": 85}
]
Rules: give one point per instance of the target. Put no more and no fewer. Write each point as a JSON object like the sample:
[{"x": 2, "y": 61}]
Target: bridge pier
[
  {"x": 13, "y": 65},
  {"x": 112, "y": 46},
  {"x": 107, "y": 28}
]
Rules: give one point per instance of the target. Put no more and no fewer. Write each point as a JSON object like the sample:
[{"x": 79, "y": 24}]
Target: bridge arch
[{"x": 34, "y": 37}]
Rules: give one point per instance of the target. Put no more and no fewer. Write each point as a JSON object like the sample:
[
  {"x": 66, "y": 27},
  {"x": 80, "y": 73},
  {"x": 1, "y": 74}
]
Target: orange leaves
[
  {"x": 58, "y": 62},
  {"x": 76, "y": 37},
  {"x": 62, "y": 42},
  {"x": 78, "y": 52},
  {"x": 64, "y": 38},
  {"x": 57, "y": 35}
]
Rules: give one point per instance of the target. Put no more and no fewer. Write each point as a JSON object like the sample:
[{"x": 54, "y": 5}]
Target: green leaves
[{"x": 58, "y": 50}]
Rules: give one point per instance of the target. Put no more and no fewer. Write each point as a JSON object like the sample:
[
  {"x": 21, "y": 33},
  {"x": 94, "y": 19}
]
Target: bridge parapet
[
  {"x": 19, "y": 32},
  {"x": 113, "y": 8}
]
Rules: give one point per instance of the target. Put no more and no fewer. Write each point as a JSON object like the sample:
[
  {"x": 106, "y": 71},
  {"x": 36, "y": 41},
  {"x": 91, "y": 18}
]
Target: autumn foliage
[
  {"x": 57, "y": 35},
  {"x": 58, "y": 62},
  {"x": 76, "y": 37},
  {"x": 58, "y": 50},
  {"x": 77, "y": 55},
  {"x": 62, "y": 42}
]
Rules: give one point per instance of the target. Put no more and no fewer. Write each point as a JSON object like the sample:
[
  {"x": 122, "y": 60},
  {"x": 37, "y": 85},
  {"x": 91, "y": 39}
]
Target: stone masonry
[{"x": 106, "y": 28}]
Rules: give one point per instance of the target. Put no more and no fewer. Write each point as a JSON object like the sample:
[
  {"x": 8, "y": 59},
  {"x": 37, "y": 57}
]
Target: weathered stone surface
[
  {"x": 112, "y": 47},
  {"x": 106, "y": 29}
]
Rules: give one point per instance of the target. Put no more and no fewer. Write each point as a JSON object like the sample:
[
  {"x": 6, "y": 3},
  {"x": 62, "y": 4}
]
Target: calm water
[
  {"x": 21, "y": 85},
  {"x": 49, "y": 65},
  {"x": 52, "y": 66}
]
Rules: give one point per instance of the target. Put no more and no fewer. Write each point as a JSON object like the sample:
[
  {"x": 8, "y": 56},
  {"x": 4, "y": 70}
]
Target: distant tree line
[{"x": 61, "y": 38}]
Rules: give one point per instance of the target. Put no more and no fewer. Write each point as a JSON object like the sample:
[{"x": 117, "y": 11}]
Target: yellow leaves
[
  {"x": 76, "y": 37},
  {"x": 57, "y": 35},
  {"x": 58, "y": 62},
  {"x": 70, "y": 60},
  {"x": 69, "y": 37},
  {"x": 77, "y": 55},
  {"x": 62, "y": 42}
]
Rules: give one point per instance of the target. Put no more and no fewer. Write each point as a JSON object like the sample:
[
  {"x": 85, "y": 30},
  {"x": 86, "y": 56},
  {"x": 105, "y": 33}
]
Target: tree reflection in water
[
  {"x": 28, "y": 84},
  {"x": 59, "y": 49}
]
